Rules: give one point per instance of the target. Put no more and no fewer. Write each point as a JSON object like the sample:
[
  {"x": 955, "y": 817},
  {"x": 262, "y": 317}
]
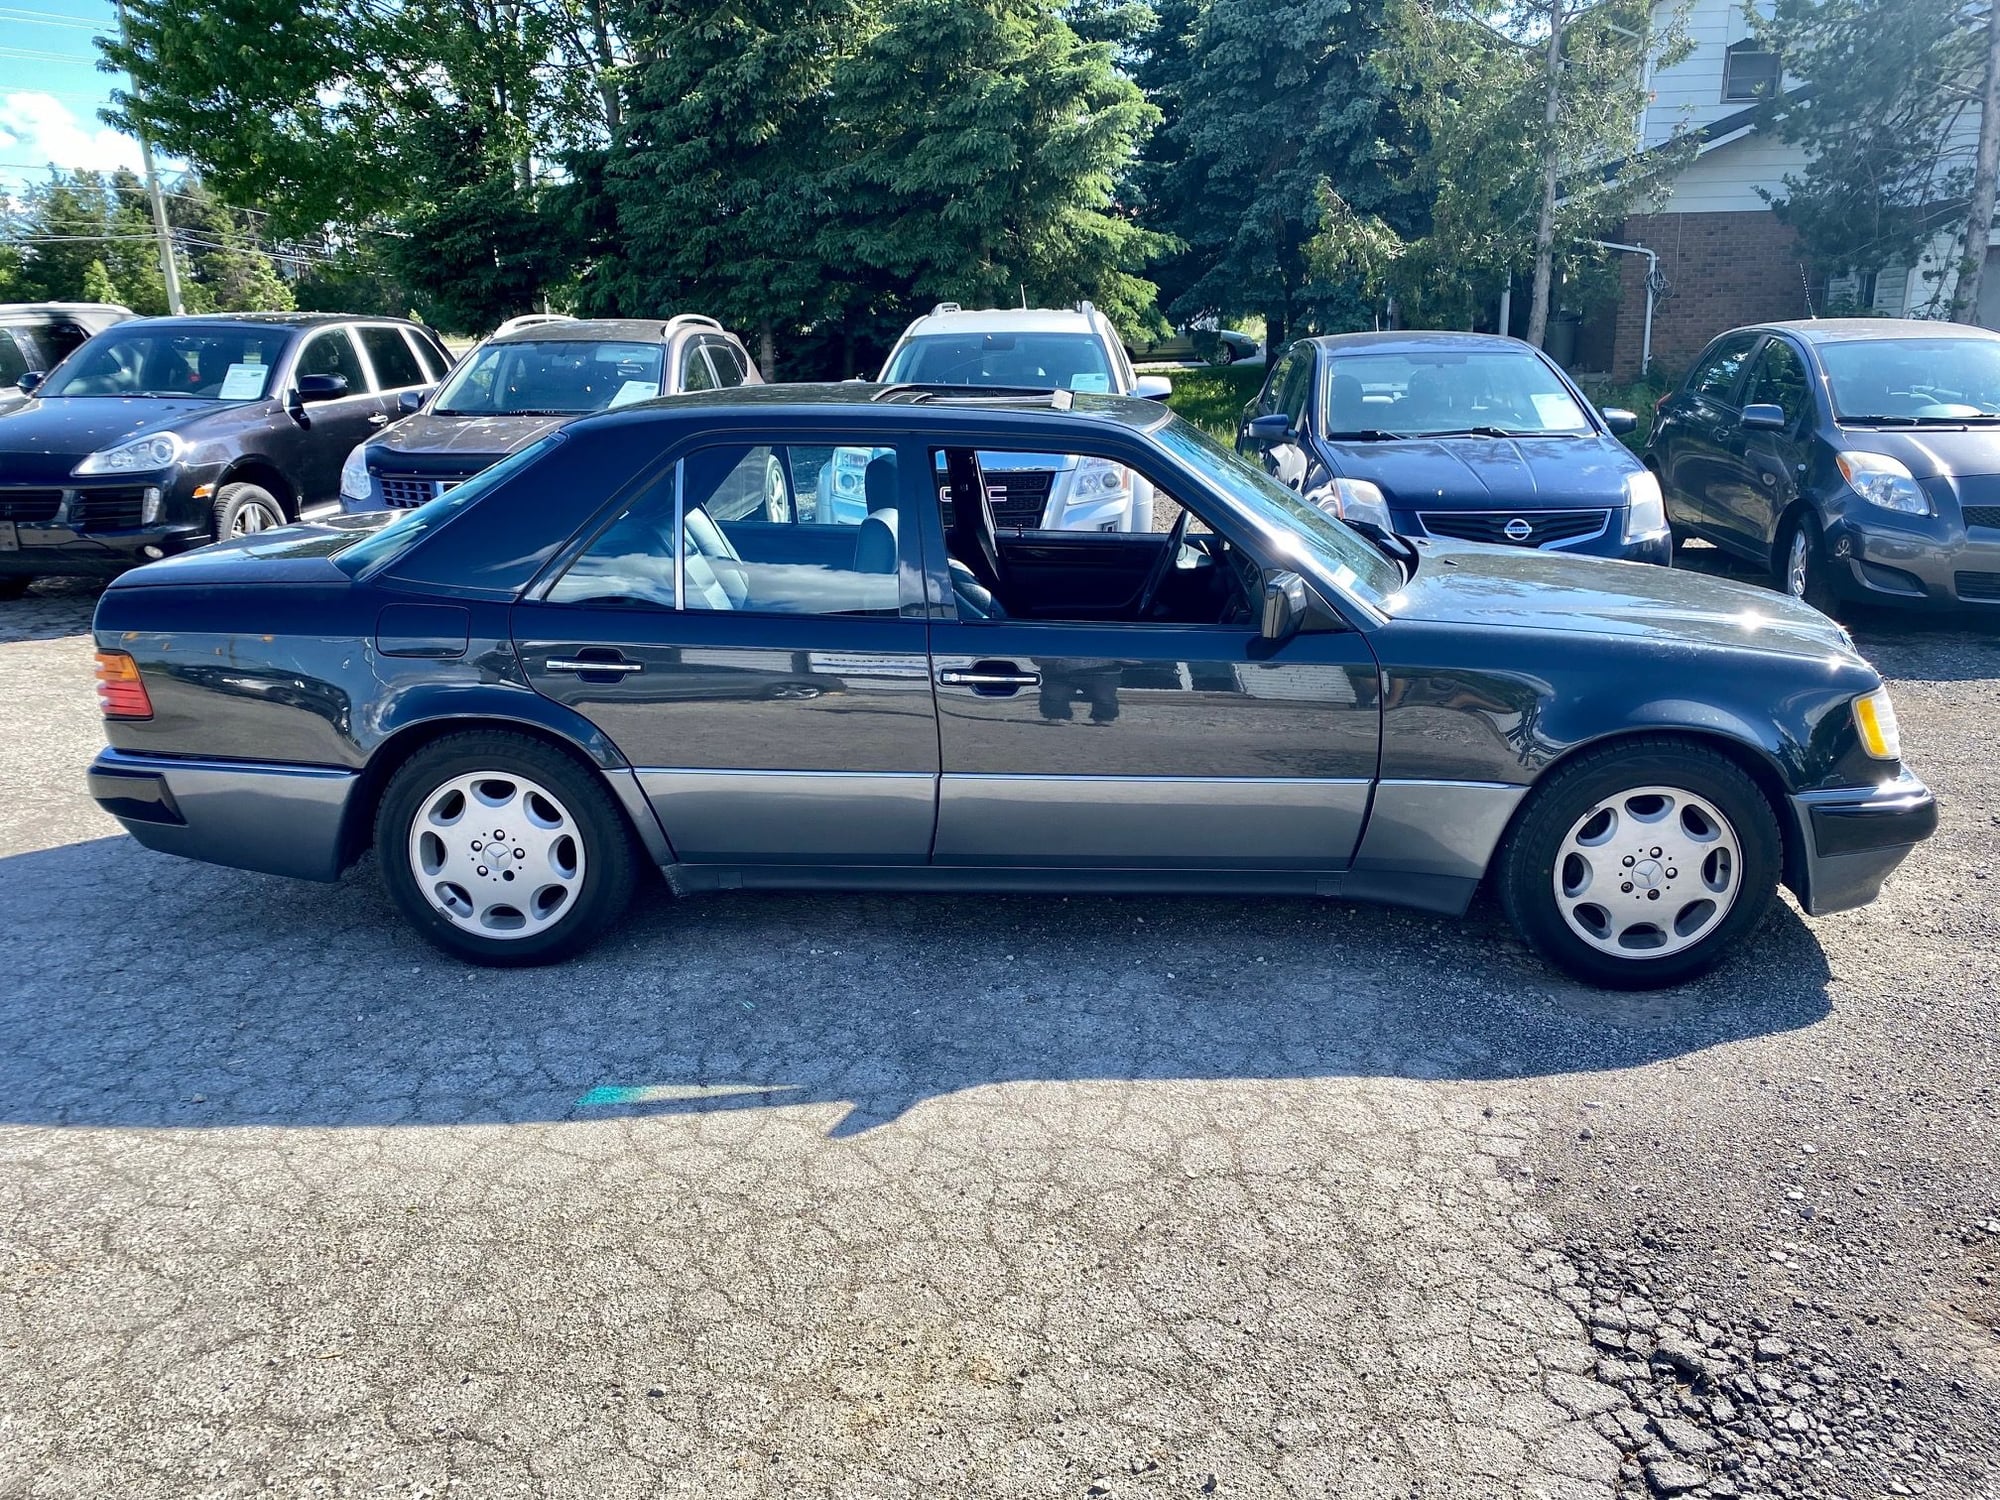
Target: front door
[
  {"x": 1771, "y": 463},
  {"x": 329, "y": 430},
  {"x": 768, "y": 679},
  {"x": 1701, "y": 469},
  {"x": 1111, "y": 704}
]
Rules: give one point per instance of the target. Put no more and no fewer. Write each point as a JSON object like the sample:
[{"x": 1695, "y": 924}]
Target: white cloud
[{"x": 40, "y": 128}]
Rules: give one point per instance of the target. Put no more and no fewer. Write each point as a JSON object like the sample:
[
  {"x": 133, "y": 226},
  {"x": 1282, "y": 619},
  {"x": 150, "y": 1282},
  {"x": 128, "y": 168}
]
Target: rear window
[
  {"x": 1045, "y": 361},
  {"x": 400, "y": 535}
]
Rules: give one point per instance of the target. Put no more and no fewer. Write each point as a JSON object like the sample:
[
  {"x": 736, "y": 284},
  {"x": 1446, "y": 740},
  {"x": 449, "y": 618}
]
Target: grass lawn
[{"x": 1213, "y": 396}]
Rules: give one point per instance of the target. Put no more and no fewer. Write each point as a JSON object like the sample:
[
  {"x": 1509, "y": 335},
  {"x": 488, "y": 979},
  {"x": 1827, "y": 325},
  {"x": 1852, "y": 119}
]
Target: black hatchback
[{"x": 1853, "y": 459}]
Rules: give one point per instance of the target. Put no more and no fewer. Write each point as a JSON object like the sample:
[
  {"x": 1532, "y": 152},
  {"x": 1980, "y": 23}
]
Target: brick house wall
[{"x": 1722, "y": 270}]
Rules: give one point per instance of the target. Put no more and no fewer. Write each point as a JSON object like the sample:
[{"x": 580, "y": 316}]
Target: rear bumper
[
  {"x": 1891, "y": 566},
  {"x": 1853, "y": 837},
  {"x": 253, "y": 815}
]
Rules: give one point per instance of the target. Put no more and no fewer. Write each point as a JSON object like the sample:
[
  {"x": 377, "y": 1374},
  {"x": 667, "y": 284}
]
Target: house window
[{"x": 1748, "y": 73}]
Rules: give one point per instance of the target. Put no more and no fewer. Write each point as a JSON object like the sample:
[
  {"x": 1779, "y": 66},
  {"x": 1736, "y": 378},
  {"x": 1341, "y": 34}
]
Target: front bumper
[
  {"x": 252, "y": 815},
  {"x": 1851, "y": 838},
  {"x": 1916, "y": 569},
  {"x": 64, "y": 551}
]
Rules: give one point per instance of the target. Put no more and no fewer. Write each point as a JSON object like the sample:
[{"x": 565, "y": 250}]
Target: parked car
[
  {"x": 1855, "y": 459},
  {"x": 161, "y": 434},
  {"x": 35, "y": 337},
  {"x": 570, "y": 664},
  {"x": 520, "y": 384},
  {"x": 1463, "y": 435},
  {"x": 1202, "y": 339},
  {"x": 1036, "y": 349}
]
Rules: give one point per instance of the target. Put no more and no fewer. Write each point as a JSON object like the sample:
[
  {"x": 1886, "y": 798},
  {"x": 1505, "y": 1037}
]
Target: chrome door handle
[
  {"x": 959, "y": 677},
  {"x": 579, "y": 664},
  {"x": 378, "y": 419}
]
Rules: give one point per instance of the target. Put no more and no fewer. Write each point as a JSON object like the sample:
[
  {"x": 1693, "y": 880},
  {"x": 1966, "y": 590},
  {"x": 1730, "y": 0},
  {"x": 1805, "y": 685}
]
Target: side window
[
  {"x": 840, "y": 486},
  {"x": 395, "y": 366},
  {"x": 729, "y": 369},
  {"x": 440, "y": 357},
  {"x": 1715, "y": 376},
  {"x": 695, "y": 373},
  {"x": 1298, "y": 387},
  {"x": 739, "y": 550},
  {"x": 61, "y": 337},
  {"x": 13, "y": 361},
  {"x": 331, "y": 352},
  {"x": 1274, "y": 388},
  {"x": 1781, "y": 381}
]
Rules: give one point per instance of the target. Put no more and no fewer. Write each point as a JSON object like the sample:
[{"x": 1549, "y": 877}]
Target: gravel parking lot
[{"x": 868, "y": 1196}]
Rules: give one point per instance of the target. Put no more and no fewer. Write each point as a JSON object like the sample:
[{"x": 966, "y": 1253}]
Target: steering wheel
[{"x": 1169, "y": 555}]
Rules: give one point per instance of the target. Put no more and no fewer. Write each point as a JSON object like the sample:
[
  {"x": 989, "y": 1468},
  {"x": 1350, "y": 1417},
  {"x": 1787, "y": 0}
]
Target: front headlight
[
  {"x": 161, "y": 450},
  {"x": 1875, "y": 718},
  {"x": 1098, "y": 479},
  {"x": 1884, "y": 481},
  {"x": 1358, "y": 500},
  {"x": 1645, "y": 510},
  {"x": 354, "y": 483}
]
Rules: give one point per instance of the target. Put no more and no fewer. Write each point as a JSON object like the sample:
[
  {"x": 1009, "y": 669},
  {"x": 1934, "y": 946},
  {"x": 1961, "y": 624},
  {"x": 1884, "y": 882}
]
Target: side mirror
[
  {"x": 410, "y": 401},
  {"x": 1285, "y": 606},
  {"x": 1152, "y": 388},
  {"x": 1620, "y": 421},
  {"x": 30, "y": 381},
  {"x": 321, "y": 387},
  {"x": 1765, "y": 416},
  {"x": 1270, "y": 430}
]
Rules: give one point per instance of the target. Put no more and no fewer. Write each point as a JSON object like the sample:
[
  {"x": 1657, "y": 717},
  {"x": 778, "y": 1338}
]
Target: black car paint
[
  {"x": 1738, "y": 486},
  {"x": 1529, "y": 476},
  {"x": 1492, "y": 665},
  {"x": 290, "y": 447}
]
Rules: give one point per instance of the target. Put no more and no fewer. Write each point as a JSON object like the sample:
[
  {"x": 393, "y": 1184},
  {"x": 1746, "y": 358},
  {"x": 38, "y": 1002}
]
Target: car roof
[
  {"x": 1411, "y": 340},
  {"x": 866, "y": 404},
  {"x": 194, "y": 322},
  {"x": 1843, "y": 330},
  {"x": 1003, "y": 320},
  {"x": 598, "y": 330},
  {"x": 18, "y": 309}
]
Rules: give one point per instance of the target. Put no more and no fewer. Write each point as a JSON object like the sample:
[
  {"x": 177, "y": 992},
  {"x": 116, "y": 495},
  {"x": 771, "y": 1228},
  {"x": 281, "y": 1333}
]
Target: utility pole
[{"x": 169, "y": 271}]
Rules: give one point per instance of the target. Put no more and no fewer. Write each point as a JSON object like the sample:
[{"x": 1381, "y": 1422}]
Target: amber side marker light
[{"x": 120, "y": 692}]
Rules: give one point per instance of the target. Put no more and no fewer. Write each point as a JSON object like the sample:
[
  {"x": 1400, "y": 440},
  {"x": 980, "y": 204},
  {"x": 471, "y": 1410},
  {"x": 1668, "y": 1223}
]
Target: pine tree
[{"x": 97, "y": 285}]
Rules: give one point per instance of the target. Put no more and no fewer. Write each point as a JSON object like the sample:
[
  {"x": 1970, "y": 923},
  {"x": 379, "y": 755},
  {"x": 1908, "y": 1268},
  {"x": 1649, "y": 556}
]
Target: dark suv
[
  {"x": 161, "y": 434},
  {"x": 35, "y": 337}
]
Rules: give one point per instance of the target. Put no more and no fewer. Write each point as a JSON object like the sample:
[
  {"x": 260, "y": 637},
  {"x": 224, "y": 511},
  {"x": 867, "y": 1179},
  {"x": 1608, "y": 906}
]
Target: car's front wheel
[
  {"x": 503, "y": 850},
  {"x": 1642, "y": 864},
  {"x": 1804, "y": 570},
  {"x": 245, "y": 510}
]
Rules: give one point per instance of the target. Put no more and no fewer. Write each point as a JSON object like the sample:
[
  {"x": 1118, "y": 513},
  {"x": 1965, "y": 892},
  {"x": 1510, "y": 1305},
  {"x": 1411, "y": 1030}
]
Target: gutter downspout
[{"x": 1652, "y": 266}]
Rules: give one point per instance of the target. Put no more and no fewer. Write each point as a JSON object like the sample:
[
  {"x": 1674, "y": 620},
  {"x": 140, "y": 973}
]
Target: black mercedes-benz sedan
[
  {"x": 594, "y": 655},
  {"x": 1457, "y": 435}
]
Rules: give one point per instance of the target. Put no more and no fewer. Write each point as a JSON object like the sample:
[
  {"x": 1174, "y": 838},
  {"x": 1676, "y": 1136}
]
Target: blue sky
[{"x": 51, "y": 91}]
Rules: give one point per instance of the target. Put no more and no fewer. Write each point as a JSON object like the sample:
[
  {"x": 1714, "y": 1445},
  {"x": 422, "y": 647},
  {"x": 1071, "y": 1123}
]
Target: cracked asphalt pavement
[{"x": 819, "y": 1195}]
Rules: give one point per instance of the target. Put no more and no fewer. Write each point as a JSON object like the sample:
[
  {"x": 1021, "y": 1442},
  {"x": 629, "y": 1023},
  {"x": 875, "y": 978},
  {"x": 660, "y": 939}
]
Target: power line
[
  {"x": 31, "y": 18},
  {"x": 29, "y": 54}
]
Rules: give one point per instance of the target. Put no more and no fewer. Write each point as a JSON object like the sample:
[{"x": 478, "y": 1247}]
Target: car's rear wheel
[
  {"x": 1804, "y": 570},
  {"x": 13, "y": 585},
  {"x": 245, "y": 510},
  {"x": 503, "y": 850},
  {"x": 1642, "y": 864},
  {"x": 777, "y": 496}
]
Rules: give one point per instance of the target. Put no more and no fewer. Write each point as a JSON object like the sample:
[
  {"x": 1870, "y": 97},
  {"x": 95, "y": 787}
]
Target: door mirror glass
[
  {"x": 1270, "y": 430},
  {"x": 410, "y": 401},
  {"x": 1619, "y": 421},
  {"x": 1765, "y": 416},
  {"x": 1153, "y": 388},
  {"x": 322, "y": 387},
  {"x": 28, "y": 381},
  {"x": 1285, "y": 605}
]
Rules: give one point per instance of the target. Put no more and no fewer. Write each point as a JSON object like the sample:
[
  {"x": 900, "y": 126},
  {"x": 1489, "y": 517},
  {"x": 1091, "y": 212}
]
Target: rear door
[
  {"x": 768, "y": 679},
  {"x": 1121, "y": 711}
]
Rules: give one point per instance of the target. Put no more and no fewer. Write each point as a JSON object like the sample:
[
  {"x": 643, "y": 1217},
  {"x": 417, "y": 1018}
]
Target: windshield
[
  {"x": 559, "y": 377},
  {"x": 1043, "y": 361},
  {"x": 412, "y": 526},
  {"x": 1352, "y": 560},
  {"x": 1913, "y": 380},
  {"x": 203, "y": 363},
  {"x": 1437, "y": 391}
]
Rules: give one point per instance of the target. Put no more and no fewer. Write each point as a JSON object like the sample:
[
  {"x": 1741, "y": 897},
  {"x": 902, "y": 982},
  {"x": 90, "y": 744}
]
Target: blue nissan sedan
[{"x": 1461, "y": 435}]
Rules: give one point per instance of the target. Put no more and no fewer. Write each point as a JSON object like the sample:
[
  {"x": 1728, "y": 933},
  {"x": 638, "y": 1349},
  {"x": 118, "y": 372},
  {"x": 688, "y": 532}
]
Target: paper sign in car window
[
  {"x": 1098, "y": 383},
  {"x": 1557, "y": 410},
  {"x": 243, "y": 383},
  {"x": 635, "y": 390}
]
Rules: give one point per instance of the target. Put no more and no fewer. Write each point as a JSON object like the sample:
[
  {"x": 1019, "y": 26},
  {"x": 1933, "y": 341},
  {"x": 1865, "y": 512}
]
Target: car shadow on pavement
[{"x": 146, "y": 991}]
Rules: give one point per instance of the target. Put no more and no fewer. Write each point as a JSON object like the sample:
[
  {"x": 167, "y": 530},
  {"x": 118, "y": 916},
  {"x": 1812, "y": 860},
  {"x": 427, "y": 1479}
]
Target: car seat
[{"x": 875, "y": 543}]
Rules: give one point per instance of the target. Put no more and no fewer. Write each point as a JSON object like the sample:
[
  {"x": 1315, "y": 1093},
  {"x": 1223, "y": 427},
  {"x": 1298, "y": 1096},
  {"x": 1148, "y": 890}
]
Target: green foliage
[
  {"x": 1887, "y": 86},
  {"x": 97, "y": 285},
  {"x": 1214, "y": 397},
  {"x": 1263, "y": 103}
]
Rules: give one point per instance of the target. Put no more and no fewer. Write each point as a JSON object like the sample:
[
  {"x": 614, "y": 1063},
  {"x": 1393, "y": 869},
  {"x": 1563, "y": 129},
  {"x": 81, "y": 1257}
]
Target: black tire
[
  {"x": 1527, "y": 864},
  {"x": 777, "y": 494},
  {"x": 608, "y": 857},
  {"x": 245, "y": 509},
  {"x": 13, "y": 586},
  {"x": 1808, "y": 575}
]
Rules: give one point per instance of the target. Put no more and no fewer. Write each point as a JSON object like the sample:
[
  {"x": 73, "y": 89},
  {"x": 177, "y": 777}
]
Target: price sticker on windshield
[{"x": 243, "y": 382}]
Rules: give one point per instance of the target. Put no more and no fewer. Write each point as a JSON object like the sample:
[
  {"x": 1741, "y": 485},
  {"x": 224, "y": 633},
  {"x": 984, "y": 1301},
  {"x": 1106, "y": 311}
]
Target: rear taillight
[{"x": 120, "y": 691}]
